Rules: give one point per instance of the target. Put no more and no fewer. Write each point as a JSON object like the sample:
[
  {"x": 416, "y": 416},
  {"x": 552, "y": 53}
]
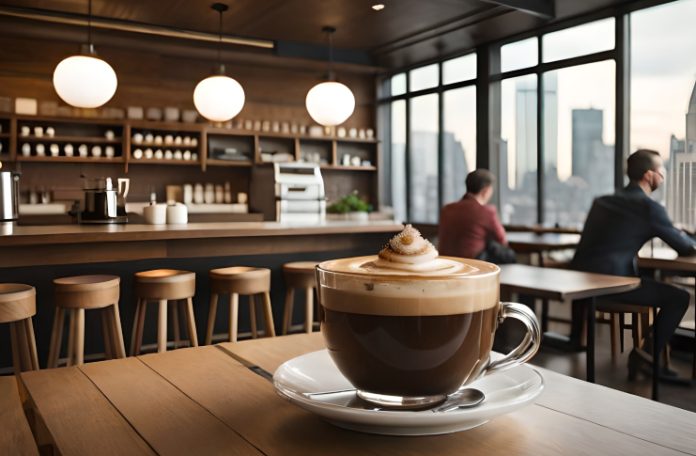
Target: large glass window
[
  {"x": 663, "y": 99},
  {"x": 581, "y": 40},
  {"x": 423, "y": 159},
  {"x": 424, "y": 77},
  {"x": 578, "y": 140},
  {"x": 460, "y": 69},
  {"x": 398, "y": 84},
  {"x": 459, "y": 141},
  {"x": 398, "y": 159},
  {"x": 518, "y": 150},
  {"x": 520, "y": 54}
]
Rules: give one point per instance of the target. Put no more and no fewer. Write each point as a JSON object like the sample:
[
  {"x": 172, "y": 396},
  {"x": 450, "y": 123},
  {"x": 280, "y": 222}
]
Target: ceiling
[{"x": 403, "y": 33}]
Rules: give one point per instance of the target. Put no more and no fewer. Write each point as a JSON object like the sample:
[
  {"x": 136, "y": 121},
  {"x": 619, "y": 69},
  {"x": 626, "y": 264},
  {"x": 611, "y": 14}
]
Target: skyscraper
[
  {"x": 681, "y": 192},
  {"x": 526, "y": 125},
  {"x": 593, "y": 161},
  {"x": 454, "y": 168}
]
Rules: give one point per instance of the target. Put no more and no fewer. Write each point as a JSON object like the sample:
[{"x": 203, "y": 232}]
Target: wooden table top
[
  {"x": 666, "y": 260},
  {"x": 561, "y": 284},
  {"x": 535, "y": 242},
  {"x": 203, "y": 401}
]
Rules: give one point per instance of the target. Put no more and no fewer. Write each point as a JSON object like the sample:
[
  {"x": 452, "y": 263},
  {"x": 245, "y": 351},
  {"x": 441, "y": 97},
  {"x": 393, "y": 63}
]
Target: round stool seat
[
  {"x": 86, "y": 291},
  {"x": 170, "y": 284},
  {"x": 300, "y": 274},
  {"x": 240, "y": 280},
  {"x": 17, "y": 302}
]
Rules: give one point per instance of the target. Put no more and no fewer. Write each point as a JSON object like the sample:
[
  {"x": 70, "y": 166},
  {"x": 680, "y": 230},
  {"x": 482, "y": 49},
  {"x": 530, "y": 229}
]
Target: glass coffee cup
[{"x": 407, "y": 339}]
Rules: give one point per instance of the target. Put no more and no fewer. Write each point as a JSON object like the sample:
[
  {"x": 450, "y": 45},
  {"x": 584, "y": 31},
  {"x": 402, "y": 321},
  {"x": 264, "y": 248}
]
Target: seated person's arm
[
  {"x": 497, "y": 232},
  {"x": 665, "y": 230}
]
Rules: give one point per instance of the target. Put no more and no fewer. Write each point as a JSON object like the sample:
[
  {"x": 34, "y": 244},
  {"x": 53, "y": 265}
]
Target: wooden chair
[
  {"x": 164, "y": 285},
  {"x": 235, "y": 281},
  {"x": 75, "y": 295},
  {"x": 17, "y": 306},
  {"x": 641, "y": 319},
  {"x": 299, "y": 275}
]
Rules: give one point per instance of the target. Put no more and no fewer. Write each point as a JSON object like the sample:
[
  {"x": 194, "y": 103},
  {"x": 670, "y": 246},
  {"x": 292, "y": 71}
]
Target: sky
[{"x": 663, "y": 73}]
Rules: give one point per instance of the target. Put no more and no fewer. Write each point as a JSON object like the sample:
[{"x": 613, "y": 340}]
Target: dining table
[
  {"x": 566, "y": 285},
  {"x": 221, "y": 400},
  {"x": 540, "y": 243}
]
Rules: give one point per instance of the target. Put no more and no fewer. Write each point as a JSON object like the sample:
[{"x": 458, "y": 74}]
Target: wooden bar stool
[
  {"x": 235, "y": 281},
  {"x": 75, "y": 295},
  {"x": 299, "y": 275},
  {"x": 164, "y": 285},
  {"x": 17, "y": 306}
]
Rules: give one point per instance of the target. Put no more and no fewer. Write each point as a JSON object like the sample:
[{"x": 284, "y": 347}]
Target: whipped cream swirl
[{"x": 409, "y": 251}]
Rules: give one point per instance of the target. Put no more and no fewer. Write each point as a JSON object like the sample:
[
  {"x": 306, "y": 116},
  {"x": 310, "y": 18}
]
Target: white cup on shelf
[
  {"x": 83, "y": 150},
  {"x": 177, "y": 214},
  {"x": 54, "y": 149},
  {"x": 109, "y": 151},
  {"x": 40, "y": 150},
  {"x": 38, "y": 132},
  {"x": 138, "y": 154},
  {"x": 68, "y": 150},
  {"x": 25, "y": 131},
  {"x": 155, "y": 214},
  {"x": 26, "y": 149}
]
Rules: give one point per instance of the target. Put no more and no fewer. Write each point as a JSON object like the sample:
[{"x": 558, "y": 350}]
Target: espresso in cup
[{"x": 407, "y": 327}]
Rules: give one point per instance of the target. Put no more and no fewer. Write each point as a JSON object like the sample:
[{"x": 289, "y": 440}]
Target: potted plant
[{"x": 351, "y": 207}]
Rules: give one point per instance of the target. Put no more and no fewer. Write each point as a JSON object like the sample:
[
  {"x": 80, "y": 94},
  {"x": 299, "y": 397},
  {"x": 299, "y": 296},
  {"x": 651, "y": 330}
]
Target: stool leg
[
  {"x": 614, "y": 335},
  {"x": 234, "y": 316},
  {"x": 287, "y": 312},
  {"x": 309, "y": 309},
  {"x": 162, "y": 327},
  {"x": 106, "y": 331},
  {"x": 117, "y": 332},
  {"x": 252, "y": 316},
  {"x": 135, "y": 326},
  {"x": 80, "y": 337},
  {"x": 191, "y": 322},
  {"x": 212, "y": 311},
  {"x": 31, "y": 343},
  {"x": 174, "y": 311},
  {"x": 56, "y": 336},
  {"x": 26, "y": 362},
  {"x": 71, "y": 337},
  {"x": 139, "y": 328},
  {"x": 16, "y": 352},
  {"x": 268, "y": 315}
]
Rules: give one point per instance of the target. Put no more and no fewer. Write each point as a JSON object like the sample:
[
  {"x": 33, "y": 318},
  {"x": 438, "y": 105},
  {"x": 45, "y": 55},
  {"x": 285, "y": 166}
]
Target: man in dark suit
[{"x": 616, "y": 228}]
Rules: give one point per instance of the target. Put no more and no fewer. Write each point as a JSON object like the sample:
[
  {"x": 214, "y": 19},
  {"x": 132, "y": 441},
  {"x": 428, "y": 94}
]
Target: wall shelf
[
  {"x": 62, "y": 159},
  {"x": 69, "y": 139}
]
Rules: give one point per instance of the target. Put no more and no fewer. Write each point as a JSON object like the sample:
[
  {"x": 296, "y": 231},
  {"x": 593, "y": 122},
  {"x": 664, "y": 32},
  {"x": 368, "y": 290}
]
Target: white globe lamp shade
[
  {"x": 218, "y": 98},
  {"x": 330, "y": 103},
  {"x": 84, "y": 81}
]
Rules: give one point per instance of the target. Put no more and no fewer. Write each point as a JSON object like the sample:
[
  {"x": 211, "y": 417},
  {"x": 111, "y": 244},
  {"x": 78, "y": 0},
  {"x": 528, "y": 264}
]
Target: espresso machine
[
  {"x": 288, "y": 192},
  {"x": 104, "y": 204}
]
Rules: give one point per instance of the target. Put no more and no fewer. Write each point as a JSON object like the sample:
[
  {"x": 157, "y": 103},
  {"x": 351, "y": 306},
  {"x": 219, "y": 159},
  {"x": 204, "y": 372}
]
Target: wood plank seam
[
  {"x": 614, "y": 430},
  {"x": 200, "y": 405},
  {"x": 142, "y": 437}
]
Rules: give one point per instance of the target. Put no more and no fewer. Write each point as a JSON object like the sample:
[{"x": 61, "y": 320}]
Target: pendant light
[
  {"x": 219, "y": 98},
  {"x": 85, "y": 80},
  {"x": 330, "y": 103}
]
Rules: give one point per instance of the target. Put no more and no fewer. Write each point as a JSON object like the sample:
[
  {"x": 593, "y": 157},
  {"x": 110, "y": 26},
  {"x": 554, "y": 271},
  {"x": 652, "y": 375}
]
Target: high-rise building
[
  {"x": 593, "y": 161},
  {"x": 526, "y": 126},
  {"x": 681, "y": 191},
  {"x": 454, "y": 168}
]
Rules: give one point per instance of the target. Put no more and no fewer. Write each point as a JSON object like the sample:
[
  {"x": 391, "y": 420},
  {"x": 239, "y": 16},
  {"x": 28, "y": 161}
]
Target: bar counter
[
  {"x": 36, "y": 255},
  {"x": 80, "y": 244}
]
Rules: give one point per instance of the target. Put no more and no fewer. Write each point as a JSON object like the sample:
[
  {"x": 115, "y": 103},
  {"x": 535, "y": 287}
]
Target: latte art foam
[{"x": 408, "y": 278}]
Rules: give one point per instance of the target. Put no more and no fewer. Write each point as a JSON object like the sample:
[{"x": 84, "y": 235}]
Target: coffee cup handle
[{"x": 529, "y": 345}]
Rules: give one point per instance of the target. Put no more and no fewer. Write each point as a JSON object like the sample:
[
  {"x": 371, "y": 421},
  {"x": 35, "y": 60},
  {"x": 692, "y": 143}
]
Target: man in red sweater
[{"x": 470, "y": 228}]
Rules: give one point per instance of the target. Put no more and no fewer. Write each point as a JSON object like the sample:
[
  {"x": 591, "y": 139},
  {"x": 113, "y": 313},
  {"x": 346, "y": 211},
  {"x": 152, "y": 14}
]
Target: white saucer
[{"x": 300, "y": 379}]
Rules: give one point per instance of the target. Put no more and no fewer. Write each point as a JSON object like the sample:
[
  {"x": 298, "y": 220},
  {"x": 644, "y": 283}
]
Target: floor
[{"x": 616, "y": 375}]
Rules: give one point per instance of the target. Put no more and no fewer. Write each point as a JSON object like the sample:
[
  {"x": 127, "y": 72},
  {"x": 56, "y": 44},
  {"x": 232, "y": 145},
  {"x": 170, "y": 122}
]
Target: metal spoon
[{"x": 465, "y": 398}]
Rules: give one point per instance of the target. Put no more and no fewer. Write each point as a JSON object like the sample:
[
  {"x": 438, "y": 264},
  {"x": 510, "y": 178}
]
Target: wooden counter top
[
  {"x": 17, "y": 235},
  {"x": 77, "y": 244}
]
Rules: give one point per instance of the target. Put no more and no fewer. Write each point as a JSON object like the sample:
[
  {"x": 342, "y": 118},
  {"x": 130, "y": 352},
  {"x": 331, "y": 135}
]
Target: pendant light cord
[
  {"x": 329, "y": 32},
  {"x": 89, "y": 23},
  {"x": 220, "y": 40}
]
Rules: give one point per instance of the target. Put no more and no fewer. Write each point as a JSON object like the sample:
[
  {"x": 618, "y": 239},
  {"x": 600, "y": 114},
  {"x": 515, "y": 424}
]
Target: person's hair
[
  {"x": 479, "y": 179},
  {"x": 639, "y": 162}
]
